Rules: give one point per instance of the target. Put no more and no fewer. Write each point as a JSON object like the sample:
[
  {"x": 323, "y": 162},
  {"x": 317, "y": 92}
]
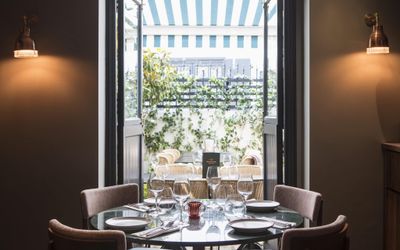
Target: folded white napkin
[
  {"x": 138, "y": 207},
  {"x": 154, "y": 232},
  {"x": 280, "y": 224}
]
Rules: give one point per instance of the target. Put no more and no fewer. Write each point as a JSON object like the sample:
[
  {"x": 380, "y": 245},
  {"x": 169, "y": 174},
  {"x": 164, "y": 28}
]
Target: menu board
[{"x": 210, "y": 160}]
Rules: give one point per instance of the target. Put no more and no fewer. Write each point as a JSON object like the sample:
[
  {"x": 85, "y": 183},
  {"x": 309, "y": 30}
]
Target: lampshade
[
  {"x": 378, "y": 41},
  {"x": 25, "y": 45}
]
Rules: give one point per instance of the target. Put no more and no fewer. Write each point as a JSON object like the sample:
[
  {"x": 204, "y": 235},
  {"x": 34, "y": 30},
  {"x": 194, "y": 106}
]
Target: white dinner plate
[
  {"x": 127, "y": 223},
  {"x": 262, "y": 206},
  {"x": 151, "y": 201},
  {"x": 250, "y": 226}
]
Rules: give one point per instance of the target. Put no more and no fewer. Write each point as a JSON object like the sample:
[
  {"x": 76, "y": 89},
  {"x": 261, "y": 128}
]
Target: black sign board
[{"x": 209, "y": 160}]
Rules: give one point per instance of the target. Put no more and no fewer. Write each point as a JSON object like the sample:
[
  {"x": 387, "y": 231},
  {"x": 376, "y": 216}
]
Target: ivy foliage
[{"x": 180, "y": 111}]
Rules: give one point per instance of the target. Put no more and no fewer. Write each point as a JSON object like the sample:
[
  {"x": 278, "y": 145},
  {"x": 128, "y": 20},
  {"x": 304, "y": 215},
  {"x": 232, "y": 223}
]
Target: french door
[
  {"x": 124, "y": 141},
  {"x": 280, "y": 102}
]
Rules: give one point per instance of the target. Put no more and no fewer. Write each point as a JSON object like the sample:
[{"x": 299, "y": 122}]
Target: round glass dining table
[{"x": 206, "y": 231}]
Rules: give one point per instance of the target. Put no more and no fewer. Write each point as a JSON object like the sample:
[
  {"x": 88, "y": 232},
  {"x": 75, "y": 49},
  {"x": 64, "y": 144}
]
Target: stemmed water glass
[
  {"x": 222, "y": 193},
  {"x": 181, "y": 192},
  {"x": 245, "y": 186},
  {"x": 197, "y": 158},
  {"x": 156, "y": 185},
  {"x": 227, "y": 160},
  {"x": 213, "y": 178}
]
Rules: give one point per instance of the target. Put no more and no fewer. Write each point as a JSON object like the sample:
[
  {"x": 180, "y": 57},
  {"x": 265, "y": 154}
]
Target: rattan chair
[
  {"x": 176, "y": 154},
  {"x": 62, "y": 237},
  {"x": 165, "y": 158},
  {"x": 328, "y": 237},
  {"x": 305, "y": 202},
  {"x": 255, "y": 170},
  {"x": 252, "y": 157},
  {"x": 179, "y": 170},
  {"x": 96, "y": 200}
]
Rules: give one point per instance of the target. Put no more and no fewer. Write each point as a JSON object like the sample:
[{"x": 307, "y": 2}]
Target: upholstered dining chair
[
  {"x": 328, "y": 237},
  {"x": 62, "y": 237},
  {"x": 305, "y": 202},
  {"x": 96, "y": 200}
]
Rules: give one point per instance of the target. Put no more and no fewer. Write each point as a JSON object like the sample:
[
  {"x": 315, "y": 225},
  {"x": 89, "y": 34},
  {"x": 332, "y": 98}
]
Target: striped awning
[{"x": 205, "y": 12}]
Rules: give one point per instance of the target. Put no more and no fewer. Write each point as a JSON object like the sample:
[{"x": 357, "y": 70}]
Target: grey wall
[
  {"x": 48, "y": 118},
  {"x": 354, "y": 107}
]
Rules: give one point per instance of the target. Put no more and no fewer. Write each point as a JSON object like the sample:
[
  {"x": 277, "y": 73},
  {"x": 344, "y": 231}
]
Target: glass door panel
[
  {"x": 272, "y": 100},
  {"x": 129, "y": 92}
]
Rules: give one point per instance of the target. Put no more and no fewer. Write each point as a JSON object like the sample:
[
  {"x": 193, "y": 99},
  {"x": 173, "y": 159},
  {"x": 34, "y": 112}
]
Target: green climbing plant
[{"x": 180, "y": 111}]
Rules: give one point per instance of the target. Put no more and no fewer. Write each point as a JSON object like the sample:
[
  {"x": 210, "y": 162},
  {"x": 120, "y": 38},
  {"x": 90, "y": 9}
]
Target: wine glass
[
  {"x": 167, "y": 204},
  {"x": 181, "y": 192},
  {"x": 156, "y": 184},
  {"x": 197, "y": 158},
  {"x": 234, "y": 206},
  {"x": 227, "y": 160},
  {"x": 152, "y": 161},
  {"x": 213, "y": 178},
  {"x": 222, "y": 192},
  {"x": 163, "y": 170},
  {"x": 245, "y": 186},
  {"x": 233, "y": 172}
]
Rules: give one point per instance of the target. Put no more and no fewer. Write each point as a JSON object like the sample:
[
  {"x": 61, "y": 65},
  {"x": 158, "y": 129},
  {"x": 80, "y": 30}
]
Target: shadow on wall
[
  {"x": 44, "y": 79},
  {"x": 359, "y": 72}
]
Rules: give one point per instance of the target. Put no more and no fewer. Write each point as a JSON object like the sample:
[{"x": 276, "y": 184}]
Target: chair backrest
[
  {"x": 174, "y": 152},
  {"x": 255, "y": 170},
  {"x": 305, "y": 202},
  {"x": 252, "y": 157},
  {"x": 180, "y": 169},
  {"x": 165, "y": 158},
  {"x": 62, "y": 237},
  {"x": 328, "y": 237},
  {"x": 96, "y": 200}
]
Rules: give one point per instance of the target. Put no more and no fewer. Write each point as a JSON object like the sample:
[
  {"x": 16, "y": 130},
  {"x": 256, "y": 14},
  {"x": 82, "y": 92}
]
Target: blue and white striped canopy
[{"x": 205, "y": 12}]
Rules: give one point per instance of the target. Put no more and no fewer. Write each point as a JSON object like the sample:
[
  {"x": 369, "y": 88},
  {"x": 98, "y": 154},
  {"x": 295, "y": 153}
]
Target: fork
[{"x": 167, "y": 225}]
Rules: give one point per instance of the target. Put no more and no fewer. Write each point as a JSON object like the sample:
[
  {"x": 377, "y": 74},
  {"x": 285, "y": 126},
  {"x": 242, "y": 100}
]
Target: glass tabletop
[{"x": 206, "y": 231}]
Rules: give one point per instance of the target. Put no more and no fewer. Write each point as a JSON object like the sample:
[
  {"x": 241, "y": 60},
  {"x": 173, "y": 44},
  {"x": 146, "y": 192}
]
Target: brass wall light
[
  {"x": 378, "y": 42},
  {"x": 24, "y": 45}
]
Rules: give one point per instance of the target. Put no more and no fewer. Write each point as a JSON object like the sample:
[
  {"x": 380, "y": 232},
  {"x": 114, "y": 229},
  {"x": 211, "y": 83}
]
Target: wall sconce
[
  {"x": 378, "y": 42},
  {"x": 24, "y": 45}
]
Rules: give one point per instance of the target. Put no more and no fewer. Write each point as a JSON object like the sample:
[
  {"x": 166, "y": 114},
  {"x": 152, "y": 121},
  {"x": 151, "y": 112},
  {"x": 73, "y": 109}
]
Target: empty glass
[
  {"x": 233, "y": 172},
  {"x": 234, "y": 206},
  {"x": 245, "y": 186},
  {"x": 163, "y": 170},
  {"x": 156, "y": 186},
  {"x": 226, "y": 160},
  {"x": 197, "y": 158},
  {"x": 213, "y": 178},
  {"x": 209, "y": 145},
  {"x": 222, "y": 192},
  {"x": 181, "y": 191}
]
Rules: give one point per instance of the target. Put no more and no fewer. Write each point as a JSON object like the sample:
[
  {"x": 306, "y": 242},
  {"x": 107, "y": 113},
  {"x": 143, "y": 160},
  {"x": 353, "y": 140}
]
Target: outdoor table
[{"x": 199, "y": 233}]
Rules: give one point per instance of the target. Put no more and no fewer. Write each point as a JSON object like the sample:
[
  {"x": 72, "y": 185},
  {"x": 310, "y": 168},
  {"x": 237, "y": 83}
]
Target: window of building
[
  {"x": 171, "y": 41},
  {"x": 240, "y": 41},
  {"x": 185, "y": 41},
  {"x": 199, "y": 41},
  {"x": 213, "y": 41},
  {"x": 254, "y": 41},
  {"x": 157, "y": 41},
  {"x": 227, "y": 41}
]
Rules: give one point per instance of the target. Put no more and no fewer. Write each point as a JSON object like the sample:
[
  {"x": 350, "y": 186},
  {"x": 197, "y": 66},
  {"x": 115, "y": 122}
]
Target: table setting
[{"x": 177, "y": 219}]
